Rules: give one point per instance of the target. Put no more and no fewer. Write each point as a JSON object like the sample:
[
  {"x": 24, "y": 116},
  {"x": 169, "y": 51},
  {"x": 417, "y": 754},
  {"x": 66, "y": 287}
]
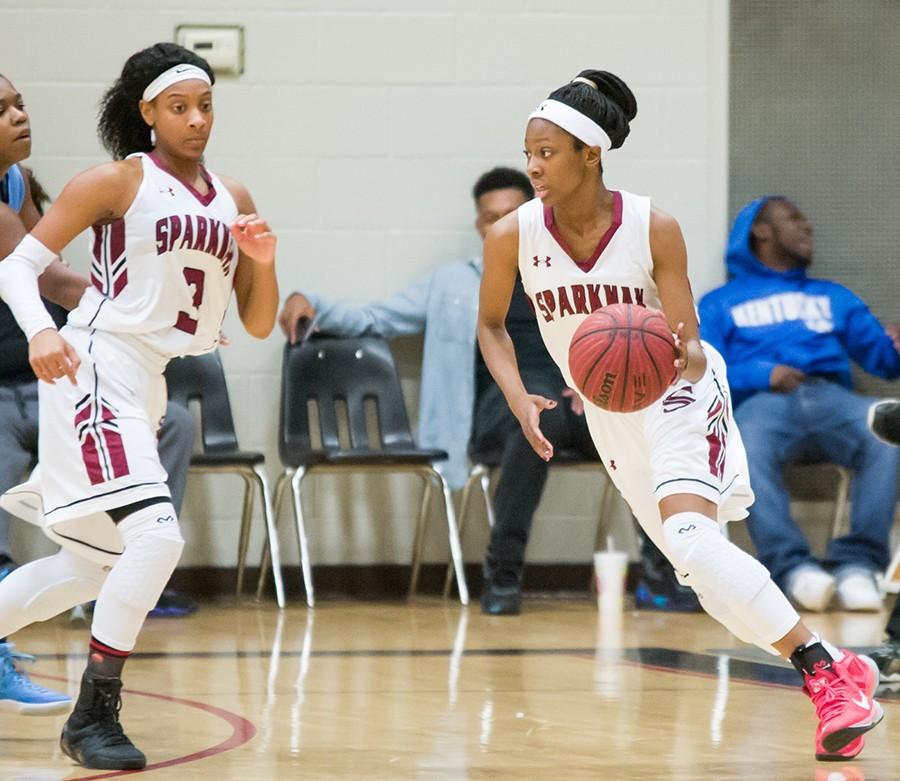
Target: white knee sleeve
[
  {"x": 730, "y": 578},
  {"x": 44, "y": 588},
  {"x": 715, "y": 607},
  {"x": 153, "y": 545}
]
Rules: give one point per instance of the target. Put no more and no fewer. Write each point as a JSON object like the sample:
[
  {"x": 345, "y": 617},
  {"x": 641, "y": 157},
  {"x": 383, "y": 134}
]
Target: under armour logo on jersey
[
  {"x": 537, "y": 261},
  {"x": 612, "y": 464},
  {"x": 168, "y": 190},
  {"x": 678, "y": 399}
]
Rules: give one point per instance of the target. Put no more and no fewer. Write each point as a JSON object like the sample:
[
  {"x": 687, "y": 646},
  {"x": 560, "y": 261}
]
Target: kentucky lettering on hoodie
[{"x": 762, "y": 318}]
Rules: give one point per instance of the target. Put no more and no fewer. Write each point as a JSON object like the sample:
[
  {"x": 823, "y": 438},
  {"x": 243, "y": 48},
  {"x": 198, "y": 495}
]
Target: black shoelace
[{"x": 105, "y": 712}]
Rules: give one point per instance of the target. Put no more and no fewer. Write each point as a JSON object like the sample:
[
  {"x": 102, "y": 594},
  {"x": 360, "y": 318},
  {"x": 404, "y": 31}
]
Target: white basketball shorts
[
  {"x": 97, "y": 442},
  {"x": 685, "y": 443}
]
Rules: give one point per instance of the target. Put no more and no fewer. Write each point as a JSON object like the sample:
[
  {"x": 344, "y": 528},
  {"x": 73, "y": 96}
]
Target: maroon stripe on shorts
[
  {"x": 90, "y": 455},
  {"x": 715, "y": 437},
  {"x": 116, "y": 449}
]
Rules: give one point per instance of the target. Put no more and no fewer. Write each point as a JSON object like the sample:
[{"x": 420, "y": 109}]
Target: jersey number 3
[{"x": 195, "y": 278}]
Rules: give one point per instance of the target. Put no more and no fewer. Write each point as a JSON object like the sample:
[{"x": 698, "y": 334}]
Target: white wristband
[{"x": 19, "y": 273}]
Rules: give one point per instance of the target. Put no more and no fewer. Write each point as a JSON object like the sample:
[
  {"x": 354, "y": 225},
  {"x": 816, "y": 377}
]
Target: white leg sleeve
[
  {"x": 716, "y": 608},
  {"x": 739, "y": 583},
  {"x": 45, "y": 588},
  {"x": 153, "y": 545}
]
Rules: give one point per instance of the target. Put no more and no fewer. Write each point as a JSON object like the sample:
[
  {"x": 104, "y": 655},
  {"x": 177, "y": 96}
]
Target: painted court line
[{"x": 243, "y": 731}]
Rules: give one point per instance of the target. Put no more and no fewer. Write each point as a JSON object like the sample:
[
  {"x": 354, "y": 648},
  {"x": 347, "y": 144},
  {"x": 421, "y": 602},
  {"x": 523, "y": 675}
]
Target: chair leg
[
  {"x": 453, "y": 534},
  {"x": 892, "y": 574},
  {"x": 461, "y": 522},
  {"x": 282, "y": 481},
  {"x": 244, "y": 536},
  {"x": 485, "y": 480},
  {"x": 840, "y": 503},
  {"x": 607, "y": 497},
  {"x": 419, "y": 537},
  {"x": 272, "y": 546},
  {"x": 296, "y": 482}
]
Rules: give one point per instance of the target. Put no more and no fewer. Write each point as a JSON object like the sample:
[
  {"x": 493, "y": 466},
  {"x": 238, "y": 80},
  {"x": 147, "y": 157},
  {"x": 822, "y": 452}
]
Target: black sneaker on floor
[
  {"x": 92, "y": 735},
  {"x": 887, "y": 658},
  {"x": 884, "y": 421},
  {"x": 502, "y": 594}
]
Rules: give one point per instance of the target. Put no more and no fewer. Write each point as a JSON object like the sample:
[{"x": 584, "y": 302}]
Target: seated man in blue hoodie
[{"x": 787, "y": 339}]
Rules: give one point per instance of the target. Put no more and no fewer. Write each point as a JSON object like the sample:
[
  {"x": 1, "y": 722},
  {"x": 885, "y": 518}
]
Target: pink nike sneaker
[
  {"x": 842, "y": 695},
  {"x": 864, "y": 673}
]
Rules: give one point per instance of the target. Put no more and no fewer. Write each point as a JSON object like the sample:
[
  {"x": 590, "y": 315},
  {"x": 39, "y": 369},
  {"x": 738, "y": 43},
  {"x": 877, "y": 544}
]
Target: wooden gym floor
[{"x": 429, "y": 690}]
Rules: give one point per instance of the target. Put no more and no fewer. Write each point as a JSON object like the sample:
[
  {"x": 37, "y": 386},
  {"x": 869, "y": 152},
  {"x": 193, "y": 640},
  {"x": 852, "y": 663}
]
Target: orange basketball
[{"x": 622, "y": 357}]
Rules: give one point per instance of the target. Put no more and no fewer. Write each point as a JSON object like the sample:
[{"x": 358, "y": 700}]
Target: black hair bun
[{"x": 614, "y": 89}]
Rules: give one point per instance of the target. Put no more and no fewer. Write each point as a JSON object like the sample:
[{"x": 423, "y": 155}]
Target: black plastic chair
[
  {"x": 337, "y": 396},
  {"x": 201, "y": 378},
  {"x": 480, "y": 476}
]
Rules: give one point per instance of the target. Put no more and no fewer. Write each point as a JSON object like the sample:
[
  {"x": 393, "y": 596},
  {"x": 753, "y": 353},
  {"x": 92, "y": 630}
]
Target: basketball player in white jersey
[
  {"x": 169, "y": 242},
  {"x": 680, "y": 463}
]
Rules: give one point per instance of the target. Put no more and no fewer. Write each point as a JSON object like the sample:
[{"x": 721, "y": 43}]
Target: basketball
[{"x": 622, "y": 357}]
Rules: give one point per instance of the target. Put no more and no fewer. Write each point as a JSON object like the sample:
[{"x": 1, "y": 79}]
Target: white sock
[{"x": 835, "y": 653}]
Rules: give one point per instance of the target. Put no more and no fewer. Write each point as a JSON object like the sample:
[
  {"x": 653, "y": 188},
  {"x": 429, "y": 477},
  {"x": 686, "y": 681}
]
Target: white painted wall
[{"x": 360, "y": 127}]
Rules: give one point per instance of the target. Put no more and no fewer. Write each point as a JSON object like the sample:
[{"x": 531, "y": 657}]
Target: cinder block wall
[{"x": 359, "y": 127}]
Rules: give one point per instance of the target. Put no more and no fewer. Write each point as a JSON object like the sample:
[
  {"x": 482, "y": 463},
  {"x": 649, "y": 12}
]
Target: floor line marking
[{"x": 243, "y": 731}]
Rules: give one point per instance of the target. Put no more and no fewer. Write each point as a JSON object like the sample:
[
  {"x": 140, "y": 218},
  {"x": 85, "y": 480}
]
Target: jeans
[
  {"x": 18, "y": 443},
  {"x": 523, "y": 472},
  {"x": 819, "y": 421}
]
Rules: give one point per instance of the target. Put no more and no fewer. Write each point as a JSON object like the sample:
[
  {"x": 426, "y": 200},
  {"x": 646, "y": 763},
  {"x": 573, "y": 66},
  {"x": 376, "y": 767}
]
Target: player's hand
[
  {"x": 528, "y": 413},
  {"x": 52, "y": 357},
  {"x": 296, "y": 308},
  {"x": 254, "y": 238},
  {"x": 785, "y": 379},
  {"x": 893, "y": 331},
  {"x": 690, "y": 364},
  {"x": 575, "y": 400}
]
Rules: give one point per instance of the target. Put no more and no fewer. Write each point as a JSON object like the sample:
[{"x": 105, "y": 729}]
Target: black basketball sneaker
[
  {"x": 92, "y": 735},
  {"x": 502, "y": 593},
  {"x": 887, "y": 658},
  {"x": 884, "y": 421}
]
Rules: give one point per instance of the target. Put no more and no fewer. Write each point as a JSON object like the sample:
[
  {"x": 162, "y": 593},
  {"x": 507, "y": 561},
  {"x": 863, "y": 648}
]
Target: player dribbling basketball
[{"x": 679, "y": 463}]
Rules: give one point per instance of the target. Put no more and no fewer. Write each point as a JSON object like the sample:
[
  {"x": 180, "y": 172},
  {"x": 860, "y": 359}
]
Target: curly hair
[{"x": 121, "y": 127}]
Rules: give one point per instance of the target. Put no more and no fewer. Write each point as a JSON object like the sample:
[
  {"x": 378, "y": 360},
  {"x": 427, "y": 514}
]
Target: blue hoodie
[{"x": 762, "y": 318}]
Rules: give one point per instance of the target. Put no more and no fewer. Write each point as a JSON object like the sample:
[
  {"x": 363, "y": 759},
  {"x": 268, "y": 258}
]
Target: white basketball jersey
[
  {"x": 164, "y": 272},
  {"x": 564, "y": 291}
]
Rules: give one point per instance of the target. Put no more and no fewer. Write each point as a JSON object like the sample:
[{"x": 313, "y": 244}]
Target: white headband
[
  {"x": 580, "y": 126},
  {"x": 176, "y": 73}
]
